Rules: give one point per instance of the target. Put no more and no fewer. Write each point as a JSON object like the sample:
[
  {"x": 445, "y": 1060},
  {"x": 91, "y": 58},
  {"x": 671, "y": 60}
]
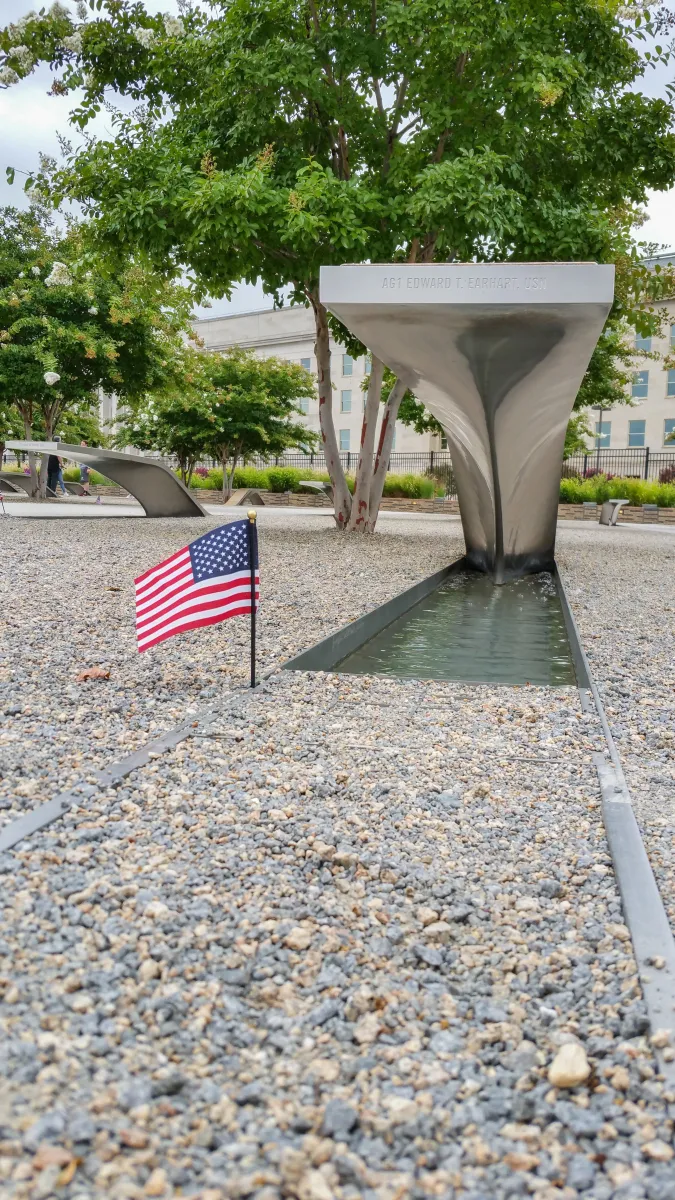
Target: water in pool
[{"x": 472, "y": 631}]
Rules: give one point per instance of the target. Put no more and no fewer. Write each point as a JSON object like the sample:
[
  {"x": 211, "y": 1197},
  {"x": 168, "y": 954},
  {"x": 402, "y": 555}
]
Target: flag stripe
[
  {"x": 182, "y": 571},
  {"x": 217, "y": 613},
  {"x": 163, "y": 567},
  {"x": 212, "y": 620},
  {"x": 218, "y": 596},
  {"x": 179, "y": 587}
]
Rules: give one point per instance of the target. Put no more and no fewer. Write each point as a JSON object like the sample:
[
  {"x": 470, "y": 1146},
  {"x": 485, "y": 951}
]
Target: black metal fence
[
  {"x": 430, "y": 462},
  {"x": 630, "y": 464}
]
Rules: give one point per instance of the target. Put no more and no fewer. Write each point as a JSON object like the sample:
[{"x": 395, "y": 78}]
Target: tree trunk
[
  {"x": 230, "y": 481},
  {"x": 49, "y": 419},
  {"x": 32, "y": 458},
  {"x": 387, "y": 429},
  {"x": 359, "y": 520},
  {"x": 227, "y": 479},
  {"x": 341, "y": 496}
]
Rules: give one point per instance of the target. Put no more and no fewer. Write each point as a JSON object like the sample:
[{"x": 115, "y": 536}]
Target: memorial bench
[{"x": 314, "y": 485}]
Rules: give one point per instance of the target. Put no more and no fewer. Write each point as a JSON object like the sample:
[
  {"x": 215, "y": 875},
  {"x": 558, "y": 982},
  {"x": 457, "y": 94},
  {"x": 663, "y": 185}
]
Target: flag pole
[{"x": 252, "y": 532}]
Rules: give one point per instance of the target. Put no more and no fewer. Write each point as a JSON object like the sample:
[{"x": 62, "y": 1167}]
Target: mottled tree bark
[
  {"x": 341, "y": 497},
  {"x": 360, "y": 520},
  {"x": 384, "y": 449}
]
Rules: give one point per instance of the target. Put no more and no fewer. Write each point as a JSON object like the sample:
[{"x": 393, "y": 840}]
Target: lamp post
[
  {"x": 51, "y": 378},
  {"x": 598, "y": 438}
]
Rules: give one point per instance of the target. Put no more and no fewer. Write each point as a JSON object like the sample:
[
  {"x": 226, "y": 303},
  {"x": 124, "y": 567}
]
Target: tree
[
  {"x": 66, "y": 330},
  {"x": 177, "y": 426},
  {"x": 275, "y": 137},
  {"x": 576, "y": 435},
  {"x": 230, "y": 407}
]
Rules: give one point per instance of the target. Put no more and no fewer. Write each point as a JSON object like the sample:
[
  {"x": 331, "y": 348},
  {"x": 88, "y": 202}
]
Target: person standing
[
  {"x": 84, "y": 476},
  {"x": 59, "y": 479},
  {"x": 53, "y": 469}
]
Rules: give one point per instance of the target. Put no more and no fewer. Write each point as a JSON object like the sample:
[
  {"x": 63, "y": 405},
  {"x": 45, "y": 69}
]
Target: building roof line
[{"x": 250, "y": 312}]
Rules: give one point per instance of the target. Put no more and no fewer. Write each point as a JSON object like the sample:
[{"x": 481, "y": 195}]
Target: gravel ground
[
  {"x": 63, "y": 611},
  {"x": 364, "y": 941},
  {"x": 621, "y": 585}
]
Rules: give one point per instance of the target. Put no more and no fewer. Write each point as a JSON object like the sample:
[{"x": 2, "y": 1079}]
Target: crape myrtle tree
[
  {"x": 274, "y": 136},
  {"x": 229, "y": 406},
  {"x": 67, "y": 330}
]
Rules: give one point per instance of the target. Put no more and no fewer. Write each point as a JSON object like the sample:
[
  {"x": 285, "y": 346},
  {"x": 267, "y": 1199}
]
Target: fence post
[
  {"x": 431, "y": 460},
  {"x": 585, "y": 464},
  {"x": 646, "y": 474}
]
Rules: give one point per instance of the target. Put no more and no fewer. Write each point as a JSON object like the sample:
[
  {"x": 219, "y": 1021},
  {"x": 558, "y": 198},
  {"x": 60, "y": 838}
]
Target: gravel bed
[
  {"x": 363, "y": 941},
  {"x": 621, "y": 585},
  {"x": 67, "y": 604}
]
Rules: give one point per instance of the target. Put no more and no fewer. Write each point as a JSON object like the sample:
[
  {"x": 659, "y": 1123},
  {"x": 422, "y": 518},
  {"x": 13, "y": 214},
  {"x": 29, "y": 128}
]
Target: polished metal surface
[
  {"x": 154, "y": 486},
  {"x": 497, "y": 353}
]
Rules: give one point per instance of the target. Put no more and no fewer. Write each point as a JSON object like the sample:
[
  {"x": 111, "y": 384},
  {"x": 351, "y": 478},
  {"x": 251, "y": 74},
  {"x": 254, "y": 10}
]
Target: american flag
[{"x": 205, "y": 582}]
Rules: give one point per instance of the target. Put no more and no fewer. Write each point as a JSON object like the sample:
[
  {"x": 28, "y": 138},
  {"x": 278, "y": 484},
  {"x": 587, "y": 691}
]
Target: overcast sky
[{"x": 30, "y": 120}]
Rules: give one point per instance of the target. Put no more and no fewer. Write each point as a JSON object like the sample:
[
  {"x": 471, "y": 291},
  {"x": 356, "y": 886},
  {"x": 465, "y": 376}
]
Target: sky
[{"x": 30, "y": 120}]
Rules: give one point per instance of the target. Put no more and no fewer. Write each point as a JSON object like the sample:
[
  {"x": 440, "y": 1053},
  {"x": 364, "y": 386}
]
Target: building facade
[
  {"x": 289, "y": 333},
  {"x": 650, "y": 418}
]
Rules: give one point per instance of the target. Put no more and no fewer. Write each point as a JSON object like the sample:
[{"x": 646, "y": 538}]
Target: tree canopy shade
[
  {"x": 229, "y": 407},
  {"x": 277, "y": 136},
  {"x": 61, "y": 319}
]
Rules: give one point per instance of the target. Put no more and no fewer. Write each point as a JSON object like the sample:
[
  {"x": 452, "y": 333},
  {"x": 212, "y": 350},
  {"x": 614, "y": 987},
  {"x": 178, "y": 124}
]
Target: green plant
[
  {"x": 412, "y": 487},
  {"x": 284, "y": 479},
  {"x": 599, "y": 489},
  {"x": 252, "y": 477},
  {"x": 66, "y": 320}
]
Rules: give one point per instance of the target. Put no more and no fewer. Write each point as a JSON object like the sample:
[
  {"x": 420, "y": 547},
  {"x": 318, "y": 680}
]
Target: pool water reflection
[{"x": 471, "y": 631}]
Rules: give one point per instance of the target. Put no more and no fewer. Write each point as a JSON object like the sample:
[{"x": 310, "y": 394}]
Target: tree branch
[
  {"x": 438, "y": 152},
  {"x": 392, "y": 133},
  {"x": 315, "y": 16},
  {"x": 378, "y": 96}
]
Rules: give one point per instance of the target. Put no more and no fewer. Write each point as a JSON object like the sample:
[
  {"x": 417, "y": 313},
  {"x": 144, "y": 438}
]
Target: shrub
[
  {"x": 284, "y": 479},
  {"x": 412, "y": 487},
  {"x": 213, "y": 481},
  {"x": 251, "y": 477},
  {"x": 570, "y": 490},
  {"x": 600, "y": 488},
  {"x": 667, "y": 475}
]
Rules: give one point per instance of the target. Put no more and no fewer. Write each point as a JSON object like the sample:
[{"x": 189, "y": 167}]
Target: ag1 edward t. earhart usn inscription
[
  {"x": 497, "y": 352},
  {"x": 429, "y": 282}
]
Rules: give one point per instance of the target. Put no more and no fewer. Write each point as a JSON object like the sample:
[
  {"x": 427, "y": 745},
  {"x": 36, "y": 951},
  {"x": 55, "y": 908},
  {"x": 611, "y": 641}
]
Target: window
[
  {"x": 603, "y": 434},
  {"x": 672, "y": 335},
  {"x": 640, "y": 385},
  {"x": 368, "y": 363},
  {"x": 636, "y": 433},
  {"x": 668, "y": 430},
  {"x": 344, "y": 439},
  {"x": 347, "y": 364},
  {"x": 303, "y": 404},
  {"x": 670, "y": 385},
  {"x": 444, "y": 442},
  {"x": 306, "y": 363},
  {"x": 345, "y": 401},
  {"x": 643, "y": 343}
]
